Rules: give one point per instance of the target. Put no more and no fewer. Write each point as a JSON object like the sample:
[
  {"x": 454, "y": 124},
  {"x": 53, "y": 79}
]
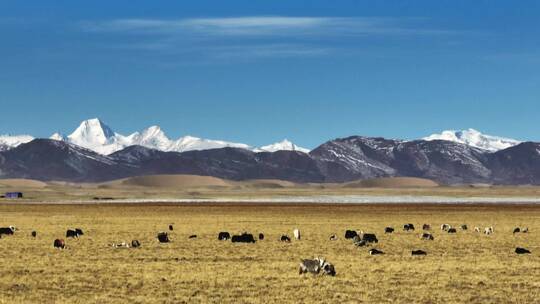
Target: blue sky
[{"x": 260, "y": 71}]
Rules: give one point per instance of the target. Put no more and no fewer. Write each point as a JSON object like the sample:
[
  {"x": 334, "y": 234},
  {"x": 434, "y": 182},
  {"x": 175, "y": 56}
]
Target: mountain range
[
  {"x": 473, "y": 138},
  {"x": 95, "y": 135},
  {"x": 94, "y": 153}
]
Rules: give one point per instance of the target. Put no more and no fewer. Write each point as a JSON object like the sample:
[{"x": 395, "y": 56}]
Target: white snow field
[{"x": 474, "y": 138}]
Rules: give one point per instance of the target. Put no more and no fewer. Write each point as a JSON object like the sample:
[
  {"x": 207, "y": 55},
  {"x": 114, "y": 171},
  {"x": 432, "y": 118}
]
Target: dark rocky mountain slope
[{"x": 339, "y": 160}]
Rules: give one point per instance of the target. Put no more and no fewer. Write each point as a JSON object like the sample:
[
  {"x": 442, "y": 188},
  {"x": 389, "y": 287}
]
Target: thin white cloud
[
  {"x": 268, "y": 50},
  {"x": 262, "y": 26},
  {"x": 228, "y": 52},
  {"x": 258, "y": 25},
  {"x": 253, "y": 36}
]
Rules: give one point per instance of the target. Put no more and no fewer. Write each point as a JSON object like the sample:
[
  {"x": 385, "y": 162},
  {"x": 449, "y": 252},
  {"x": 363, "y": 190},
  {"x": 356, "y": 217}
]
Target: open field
[
  {"x": 189, "y": 187},
  {"x": 464, "y": 268}
]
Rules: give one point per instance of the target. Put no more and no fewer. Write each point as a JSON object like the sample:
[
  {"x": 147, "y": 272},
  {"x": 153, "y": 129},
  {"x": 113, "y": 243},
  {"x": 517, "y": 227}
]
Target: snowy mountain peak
[
  {"x": 474, "y": 138},
  {"x": 152, "y": 137},
  {"x": 95, "y": 135},
  {"x": 90, "y": 133},
  {"x": 153, "y": 130},
  {"x": 282, "y": 145},
  {"x": 188, "y": 143},
  {"x": 151, "y": 133},
  {"x": 57, "y": 136},
  {"x": 11, "y": 141}
]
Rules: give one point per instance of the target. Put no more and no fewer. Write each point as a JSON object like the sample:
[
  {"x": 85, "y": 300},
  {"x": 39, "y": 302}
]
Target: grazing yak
[
  {"x": 171, "y": 228},
  {"x": 243, "y": 238},
  {"x": 364, "y": 239},
  {"x": 427, "y": 236},
  {"x": 523, "y": 230},
  {"x": 223, "y": 236},
  {"x": 388, "y": 230},
  {"x": 261, "y": 236},
  {"x": 452, "y": 230},
  {"x": 7, "y": 230},
  {"x": 369, "y": 237},
  {"x": 135, "y": 244},
  {"x": 59, "y": 243},
  {"x": 193, "y": 236},
  {"x": 445, "y": 227},
  {"x": 464, "y": 227},
  {"x": 317, "y": 265},
  {"x": 163, "y": 237},
  {"x": 418, "y": 252},
  {"x": 522, "y": 251},
  {"x": 357, "y": 240},
  {"x": 34, "y": 234},
  {"x": 426, "y": 227},
  {"x": 477, "y": 229},
  {"x": 408, "y": 227},
  {"x": 285, "y": 238},
  {"x": 333, "y": 237},
  {"x": 349, "y": 234},
  {"x": 70, "y": 233},
  {"x": 359, "y": 243},
  {"x": 375, "y": 252},
  {"x": 488, "y": 230},
  {"x": 296, "y": 234}
]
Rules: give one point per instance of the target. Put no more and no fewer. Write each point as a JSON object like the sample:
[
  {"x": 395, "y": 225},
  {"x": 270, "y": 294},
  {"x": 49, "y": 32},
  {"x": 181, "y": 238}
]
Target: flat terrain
[
  {"x": 187, "y": 187},
  {"x": 464, "y": 268}
]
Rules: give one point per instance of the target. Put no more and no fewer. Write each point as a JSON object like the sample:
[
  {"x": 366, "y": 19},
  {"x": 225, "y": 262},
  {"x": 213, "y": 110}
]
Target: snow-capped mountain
[
  {"x": 11, "y": 141},
  {"x": 189, "y": 143},
  {"x": 152, "y": 137},
  {"x": 461, "y": 158},
  {"x": 474, "y": 138},
  {"x": 358, "y": 157},
  {"x": 95, "y": 135},
  {"x": 57, "y": 136},
  {"x": 338, "y": 160},
  {"x": 284, "y": 145}
]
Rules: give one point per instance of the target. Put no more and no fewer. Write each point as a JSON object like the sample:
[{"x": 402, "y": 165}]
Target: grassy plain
[{"x": 464, "y": 268}]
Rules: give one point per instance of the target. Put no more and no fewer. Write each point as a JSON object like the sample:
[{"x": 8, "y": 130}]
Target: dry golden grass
[{"x": 463, "y": 268}]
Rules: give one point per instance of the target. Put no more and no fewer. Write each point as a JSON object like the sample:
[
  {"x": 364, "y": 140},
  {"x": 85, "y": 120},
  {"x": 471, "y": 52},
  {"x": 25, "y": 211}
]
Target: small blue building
[{"x": 14, "y": 195}]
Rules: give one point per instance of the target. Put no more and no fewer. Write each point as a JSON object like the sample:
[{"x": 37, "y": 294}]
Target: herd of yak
[{"x": 315, "y": 266}]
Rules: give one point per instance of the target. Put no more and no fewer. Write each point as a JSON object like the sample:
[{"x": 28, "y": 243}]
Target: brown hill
[
  {"x": 171, "y": 181},
  {"x": 393, "y": 182},
  {"x": 22, "y": 183},
  {"x": 266, "y": 183}
]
